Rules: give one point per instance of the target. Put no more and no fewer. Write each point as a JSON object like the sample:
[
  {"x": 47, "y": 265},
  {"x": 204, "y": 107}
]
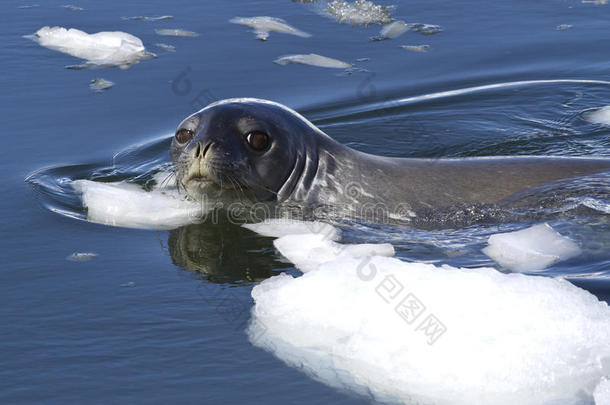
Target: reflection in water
[{"x": 224, "y": 252}]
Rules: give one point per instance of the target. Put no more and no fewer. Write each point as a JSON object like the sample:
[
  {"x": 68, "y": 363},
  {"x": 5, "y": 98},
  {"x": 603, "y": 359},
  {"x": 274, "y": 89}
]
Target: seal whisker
[{"x": 165, "y": 181}]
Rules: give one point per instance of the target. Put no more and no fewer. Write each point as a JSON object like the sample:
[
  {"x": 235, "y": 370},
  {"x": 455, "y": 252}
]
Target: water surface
[{"x": 160, "y": 316}]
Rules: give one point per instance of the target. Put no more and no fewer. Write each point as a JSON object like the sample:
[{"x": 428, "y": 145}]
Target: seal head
[{"x": 246, "y": 148}]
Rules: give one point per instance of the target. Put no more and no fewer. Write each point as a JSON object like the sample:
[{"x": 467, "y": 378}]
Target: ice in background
[
  {"x": 530, "y": 249},
  {"x": 114, "y": 48}
]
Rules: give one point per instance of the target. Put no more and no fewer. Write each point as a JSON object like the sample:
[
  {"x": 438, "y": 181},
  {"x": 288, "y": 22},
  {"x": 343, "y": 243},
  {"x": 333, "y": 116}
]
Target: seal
[{"x": 258, "y": 150}]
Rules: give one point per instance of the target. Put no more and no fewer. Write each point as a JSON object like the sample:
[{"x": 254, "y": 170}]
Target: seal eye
[
  {"x": 184, "y": 135},
  {"x": 257, "y": 140}
]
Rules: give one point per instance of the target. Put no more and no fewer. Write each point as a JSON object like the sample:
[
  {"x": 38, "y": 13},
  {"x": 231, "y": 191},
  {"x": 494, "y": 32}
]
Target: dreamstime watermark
[
  {"x": 182, "y": 86},
  {"x": 239, "y": 211}
]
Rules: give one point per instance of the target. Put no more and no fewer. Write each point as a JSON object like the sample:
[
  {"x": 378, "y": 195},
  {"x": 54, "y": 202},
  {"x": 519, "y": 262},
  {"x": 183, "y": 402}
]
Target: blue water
[{"x": 159, "y": 316}]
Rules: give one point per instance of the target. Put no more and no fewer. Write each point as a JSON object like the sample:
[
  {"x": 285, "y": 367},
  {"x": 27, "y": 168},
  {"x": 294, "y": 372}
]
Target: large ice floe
[
  {"x": 129, "y": 205},
  {"x": 109, "y": 48},
  {"x": 420, "y": 334},
  {"x": 263, "y": 25}
]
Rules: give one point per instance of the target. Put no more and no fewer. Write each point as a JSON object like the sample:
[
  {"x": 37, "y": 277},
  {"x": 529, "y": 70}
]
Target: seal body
[{"x": 258, "y": 150}]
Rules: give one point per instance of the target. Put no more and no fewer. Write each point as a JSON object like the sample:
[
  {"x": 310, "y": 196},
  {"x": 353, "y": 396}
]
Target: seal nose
[{"x": 200, "y": 151}]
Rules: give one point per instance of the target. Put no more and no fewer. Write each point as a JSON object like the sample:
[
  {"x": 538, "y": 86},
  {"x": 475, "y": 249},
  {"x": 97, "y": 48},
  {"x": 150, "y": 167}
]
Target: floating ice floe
[
  {"x": 264, "y": 25},
  {"x": 416, "y": 48},
  {"x": 144, "y": 18},
  {"x": 175, "y": 32},
  {"x": 392, "y": 30},
  {"x": 99, "y": 85},
  {"x": 129, "y": 205},
  {"x": 81, "y": 257},
  {"x": 166, "y": 47},
  {"x": 29, "y": 6},
  {"x": 417, "y": 333},
  {"x": 129, "y": 284},
  {"x": 599, "y": 116},
  {"x": 112, "y": 48},
  {"x": 360, "y": 12},
  {"x": 73, "y": 8},
  {"x": 281, "y": 227},
  {"x": 563, "y": 27},
  {"x": 426, "y": 29},
  {"x": 530, "y": 249},
  {"x": 320, "y": 249},
  {"x": 313, "y": 59}
]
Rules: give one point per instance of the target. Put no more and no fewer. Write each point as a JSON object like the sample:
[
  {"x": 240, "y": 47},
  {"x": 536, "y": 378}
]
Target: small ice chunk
[
  {"x": 597, "y": 2},
  {"x": 599, "y": 116},
  {"x": 100, "y": 84},
  {"x": 281, "y": 227},
  {"x": 309, "y": 251},
  {"x": 128, "y": 205},
  {"x": 530, "y": 249},
  {"x": 129, "y": 284},
  {"x": 426, "y": 29},
  {"x": 29, "y": 6},
  {"x": 313, "y": 59},
  {"x": 564, "y": 27},
  {"x": 175, "y": 32},
  {"x": 360, "y": 12},
  {"x": 112, "y": 48},
  {"x": 73, "y": 8},
  {"x": 393, "y": 30},
  {"x": 602, "y": 392},
  {"x": 416, "y": 48},
  {"x": 81, "y": 257},
  {"x": 166, "y": 47},
  {"x": 263, "y": 25},
  {"x": 417, "y": 333},
  {"x": 144, "y": 18}
]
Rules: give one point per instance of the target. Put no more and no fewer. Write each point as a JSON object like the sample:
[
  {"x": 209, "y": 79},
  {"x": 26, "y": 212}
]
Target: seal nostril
[
  {"x": 206, "y": 149},
  {"x": 198, "y": 150}
]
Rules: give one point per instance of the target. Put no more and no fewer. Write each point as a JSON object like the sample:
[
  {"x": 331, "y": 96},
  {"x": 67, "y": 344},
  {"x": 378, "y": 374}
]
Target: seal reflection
[{"x": 224, "y": 252}]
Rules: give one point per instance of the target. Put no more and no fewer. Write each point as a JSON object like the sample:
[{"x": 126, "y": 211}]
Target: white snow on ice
[
  {"x": 530, "y": 249},
  {"x": 418, "y": 333},
  {"x": 111, "y": 48}
]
